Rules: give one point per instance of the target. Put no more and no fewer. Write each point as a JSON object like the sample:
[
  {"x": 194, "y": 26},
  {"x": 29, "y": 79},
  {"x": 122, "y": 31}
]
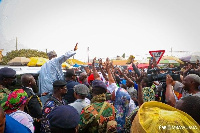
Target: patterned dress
[
  {"x": 90, "y": 123},
  {"x": 122, "y": 99},
  {"x": 4, "y": 92},
  {"x": 50, "y": 104}
]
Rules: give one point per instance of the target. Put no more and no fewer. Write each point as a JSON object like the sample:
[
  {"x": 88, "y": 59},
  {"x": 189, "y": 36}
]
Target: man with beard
[
  {"x": 7, "y": 79},
  {"x": 59, "y": 90},
  {"x": 34, "y": 105},
  {"x": 191, "y": 83}
]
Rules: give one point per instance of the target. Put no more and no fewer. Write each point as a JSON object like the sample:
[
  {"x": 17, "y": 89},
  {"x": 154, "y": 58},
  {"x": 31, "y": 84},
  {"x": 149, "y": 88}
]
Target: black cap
[
  {"x": 59, "y": 83},
  {"x": 7, "y": 72},
  {"x": 70, "y": 73},
  {"x": 64, "y": 117}
]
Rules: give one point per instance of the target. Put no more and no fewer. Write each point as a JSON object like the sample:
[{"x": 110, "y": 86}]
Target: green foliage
[
  {"x": 22, "y": 53},
  {"x": 123, "y": 55}
]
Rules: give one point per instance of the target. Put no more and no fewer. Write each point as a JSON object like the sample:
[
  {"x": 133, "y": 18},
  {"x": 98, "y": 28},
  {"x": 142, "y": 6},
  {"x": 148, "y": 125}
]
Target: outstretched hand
[
  {"x": 93, "y": 61},
  {"x": 76, "y": 47}
]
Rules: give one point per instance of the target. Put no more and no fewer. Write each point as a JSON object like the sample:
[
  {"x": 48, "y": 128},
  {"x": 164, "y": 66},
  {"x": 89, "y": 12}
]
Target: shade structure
[
  {"x": 19, "y": 61},
  {"x": 76, "y": 65},
  {"x": 190, "y": 58},
  {"x": 37, "y": 61},
  {"x": 75, "y": 61},
  {"x": 173, "y": 58},
  {"x": 165, "y": 61},
  {"x": 142, "y": 65},
  {"x": 65, "y": 65}
]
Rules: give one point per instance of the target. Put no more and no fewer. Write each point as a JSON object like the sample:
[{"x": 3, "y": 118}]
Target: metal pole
[{"x": 16, "y": 43}]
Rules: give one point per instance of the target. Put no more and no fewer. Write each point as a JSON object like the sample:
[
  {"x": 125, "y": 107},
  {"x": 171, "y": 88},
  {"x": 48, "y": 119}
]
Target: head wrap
[
  {"x": 15, "y": 100},
  {"x": 159, "y": 117}
]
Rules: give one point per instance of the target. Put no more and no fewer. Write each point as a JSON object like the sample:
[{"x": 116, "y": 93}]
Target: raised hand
[
  {"x": 93, "y": 61},
  {"x": 100, "y": 62},
  {"x": 76, "y": 47}
]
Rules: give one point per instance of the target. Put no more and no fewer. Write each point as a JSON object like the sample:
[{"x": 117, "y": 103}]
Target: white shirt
[{"x": 23, "y": 118}]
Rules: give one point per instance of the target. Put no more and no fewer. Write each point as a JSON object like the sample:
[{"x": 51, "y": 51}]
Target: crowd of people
[{"x": 101, "y": 99}]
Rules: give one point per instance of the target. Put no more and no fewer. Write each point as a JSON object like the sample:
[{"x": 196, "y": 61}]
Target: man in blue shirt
[{"x": 52, "y": 71}]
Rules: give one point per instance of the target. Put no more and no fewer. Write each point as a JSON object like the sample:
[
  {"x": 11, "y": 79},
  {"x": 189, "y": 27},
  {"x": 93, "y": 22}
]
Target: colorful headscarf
[
  {"x": 161, "y": 118},
  {"x": 15, "y": 100}
]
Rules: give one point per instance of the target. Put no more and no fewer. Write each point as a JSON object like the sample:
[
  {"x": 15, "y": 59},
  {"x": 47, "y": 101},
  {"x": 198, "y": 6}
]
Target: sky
[{"x": 108, "y": 27}]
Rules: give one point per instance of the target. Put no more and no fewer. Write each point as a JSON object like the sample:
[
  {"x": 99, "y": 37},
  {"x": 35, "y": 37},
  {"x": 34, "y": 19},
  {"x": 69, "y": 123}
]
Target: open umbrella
[
  {"x": 19, "y": 61},
  {"x": 37, "y": 61},
  {"x": 173, "y": 58},
  {"x": 190, "y": 58},
  {"x": 165, "y": 61},
  {"x": 142, "y": 66}
]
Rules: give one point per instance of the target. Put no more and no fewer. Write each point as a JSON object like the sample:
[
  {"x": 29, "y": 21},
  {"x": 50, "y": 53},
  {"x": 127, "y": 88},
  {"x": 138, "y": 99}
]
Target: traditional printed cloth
[
  {"x": 4, "y": 92},
  {"x": 122, "y": 99},
  {"x": 50, "y": 72},
  {"x": 15, "y": 100},
  {"x": 89, "y": 122},
  {"x": 129, "y": 120},
  {"x": 148, "y": 94},
  {"x": 50, "y": 104}
]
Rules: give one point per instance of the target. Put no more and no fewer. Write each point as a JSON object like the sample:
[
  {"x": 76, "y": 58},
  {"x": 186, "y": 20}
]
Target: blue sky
[{"x": 108, "y": 27}]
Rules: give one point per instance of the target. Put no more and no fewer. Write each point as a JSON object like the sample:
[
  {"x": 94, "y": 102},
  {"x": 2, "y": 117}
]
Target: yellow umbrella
[
  {"x": 37, "y": 61},
  {"x": 66, "y": 65},
  {"x": 173, "y": 58},
  {"x": 75, "y": 61}
]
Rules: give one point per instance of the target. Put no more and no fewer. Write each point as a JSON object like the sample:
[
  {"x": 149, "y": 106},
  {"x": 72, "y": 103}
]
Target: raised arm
[
  {"x": 95, "y": 73},
  {"x": 135, "y": 68},
  {"x": 67, "y": 55},
  {"x": 102, "y": 71},
  {"x": 169, "y": 95}
]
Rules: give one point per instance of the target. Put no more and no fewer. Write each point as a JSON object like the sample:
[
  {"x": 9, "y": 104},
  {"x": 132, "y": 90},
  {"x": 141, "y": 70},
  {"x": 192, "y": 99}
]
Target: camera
[{"x": 160, "y": 74}]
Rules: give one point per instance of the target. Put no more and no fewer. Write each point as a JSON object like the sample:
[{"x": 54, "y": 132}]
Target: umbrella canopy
[
  {"x": 76, "y": 65},
  {"x": 75, "y": 61},
  {"x": 65, "y": 65},
  {"x": 142, "y": 65},
  {"x": 19, "y": 61},
  {"x": 173, "y": 58},
  {"x": 165, "y": 61},
  {"x": 37, "y": 61},
  {"x": 191, "y": 58}
]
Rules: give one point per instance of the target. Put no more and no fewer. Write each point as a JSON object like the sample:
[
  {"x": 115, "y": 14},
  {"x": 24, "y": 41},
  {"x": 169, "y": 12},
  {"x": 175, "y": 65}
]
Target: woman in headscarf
[{"x": 14, "y": 107}]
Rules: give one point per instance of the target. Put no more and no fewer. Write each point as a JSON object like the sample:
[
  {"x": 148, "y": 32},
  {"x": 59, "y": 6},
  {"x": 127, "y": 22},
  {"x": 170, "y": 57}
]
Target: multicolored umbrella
[
  {"x": 165, "y": 61},
  {"x": 19, "y": 61},
  {"x": 190, "y": 58},
  {"x": 173, "y": 58}
]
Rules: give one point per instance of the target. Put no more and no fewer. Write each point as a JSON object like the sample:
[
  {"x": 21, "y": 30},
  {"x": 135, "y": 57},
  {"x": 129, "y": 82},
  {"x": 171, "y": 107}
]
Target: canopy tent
[
  {"x": 66, "y": 65},
  {"x": 165, "y": 61},
  {"x": 190, "y": 58},
  {"x": 173, "y": 58},
  {"x": 37, "y": 61},
  {"x": 19, "y": 61},
  {"x": 75, "y": 61},
  {"x": 142, "y": 65}
]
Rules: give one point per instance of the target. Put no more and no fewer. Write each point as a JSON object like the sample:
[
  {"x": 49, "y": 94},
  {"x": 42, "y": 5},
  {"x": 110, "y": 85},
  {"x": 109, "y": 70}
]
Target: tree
[
  {"x": 22, "y": 53},
  {"x": 123, "y": 55}
]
